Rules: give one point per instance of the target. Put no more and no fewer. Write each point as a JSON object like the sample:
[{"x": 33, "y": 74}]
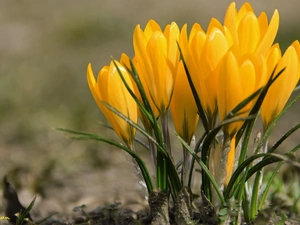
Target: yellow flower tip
[
  {"x": 89, "y": 71},
  {"x": 151, "y": 27},
  {"x": 137, "y": 30},
  {"x": 93, "y": 84},
  {"x": 268, "y": 35},
  {"x": 296, "y": 45},
  {"x": 214, "y": 24},
  {"x": 232, "y": 5},
  {"x": 125, "y": 61},
  {"x": 247, "y": 6},
  {"x": 152, "y": 23}
]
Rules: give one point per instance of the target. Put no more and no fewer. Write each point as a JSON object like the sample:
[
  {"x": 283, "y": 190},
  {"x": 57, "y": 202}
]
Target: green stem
[
  {"x": 254, "y": 199},
  {"x": 161, "y": 172},
  {"x": 165, "y": 131},
  {"x": 245, "y": 206}
]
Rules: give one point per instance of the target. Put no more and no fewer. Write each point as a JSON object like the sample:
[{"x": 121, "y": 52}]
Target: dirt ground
[{"x": 45, "y": 47}]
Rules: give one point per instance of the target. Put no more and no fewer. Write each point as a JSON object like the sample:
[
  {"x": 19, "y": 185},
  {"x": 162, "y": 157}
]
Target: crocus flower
[
  {"x": 251, "y": 34},
  {"x": 157, "y": 55},
  {"x": 280, "y": 91},
  {"x": 203, "y": 53},
  {"x": 238, "y": 79},
  {"x": 244, "y": 68},
  {"x": 183, "y": 107},
  {"x": 109, "y": 88},
  {"x": 126, "y": 62}
]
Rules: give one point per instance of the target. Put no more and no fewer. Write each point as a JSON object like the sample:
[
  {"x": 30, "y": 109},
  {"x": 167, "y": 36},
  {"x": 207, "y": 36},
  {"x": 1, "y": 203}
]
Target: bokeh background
[{"x": 45, "y": 47}]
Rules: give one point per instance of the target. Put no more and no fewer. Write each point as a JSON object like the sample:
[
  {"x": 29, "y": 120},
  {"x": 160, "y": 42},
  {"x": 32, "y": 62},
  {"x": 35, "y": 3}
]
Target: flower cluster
[
  {"x": 227, "y": 64},
  {"x": 224, "y": 78}
]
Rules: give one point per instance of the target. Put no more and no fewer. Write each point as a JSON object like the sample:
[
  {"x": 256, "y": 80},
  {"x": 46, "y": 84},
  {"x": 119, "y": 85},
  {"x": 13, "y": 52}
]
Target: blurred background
[{"x": 45, "y": 47}]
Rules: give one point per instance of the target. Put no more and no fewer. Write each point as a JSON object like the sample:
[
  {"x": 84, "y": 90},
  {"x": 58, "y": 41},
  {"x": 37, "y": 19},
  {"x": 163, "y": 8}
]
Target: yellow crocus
[
  {"x": 124, "y": 60},
  {"x": 236, "y": 82},
  {"x": 109, "y": 88},
  {"x": 157, "y": 55},
  {"x": 251, "y": 34},
  {"x": 183, "y": 107},
  {"x": 203, "y": 53},
  {"x": 280, "y": 91},
  {"x": 238, "y": 79}
]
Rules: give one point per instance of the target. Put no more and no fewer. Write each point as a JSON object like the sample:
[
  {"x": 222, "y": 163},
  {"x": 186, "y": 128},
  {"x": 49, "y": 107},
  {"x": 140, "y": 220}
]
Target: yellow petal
[
  {"x": 248, "y": 80},
  {"x": 273, "y": 57},
  {"x": 263, "y": 24},
  {"x": 171, "y": 34},
  {"x": 141, "y": 55},
  {"x": 195, "y": 29},
  {"x": 157, "y": 51},
  {"x": 296, "y": 45},
  {"x": 150, "y": 28},
  {"x": 214, "y": 49},
  {"x": 191, "y": 52},
  {"x": 269, "y": 36},
  {"x": 230, "y": 21},
  {"x": 282, "y": 88},
  {"x": 228, "y": 85},
  {"x": 92, "y": 83},
  {"x": 248, "y": 33},
  {"x": 196, "y": 46},
  {"x": 120, "y": 99},
  {"x": 236, "y": 82},
  {"x": 289, "y": 78},
  {"x": 125, "y": 61},
  {"x": 247, "y": 72},
  {"x": 246, "y": 8},
  {"x": 183, "y": 107},
  {"x": 214, "y": 24}
]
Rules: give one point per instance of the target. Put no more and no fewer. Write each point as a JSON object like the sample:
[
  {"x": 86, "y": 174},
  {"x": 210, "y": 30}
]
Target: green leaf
[
  {"x": 24, "y": 214},
  {"x": 254, "y": 197},
  {"x": 140, "y": 162},
  {"x": 267, "y": 188},
  {"x": 283, "y": 138},
  {"x": 204, "y": 167},
  {"x": 269, "y": 159},
  {"x": 163, "y": 157}
]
